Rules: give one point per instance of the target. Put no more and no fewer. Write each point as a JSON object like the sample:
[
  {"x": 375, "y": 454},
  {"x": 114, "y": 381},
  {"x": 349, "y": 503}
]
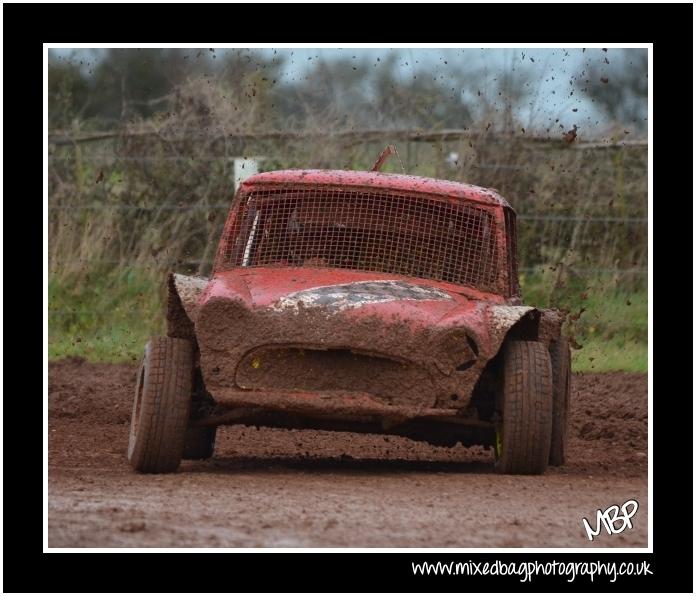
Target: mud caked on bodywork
[
  {"x": 299, "y": 306},
  {"x": 357, "y": 301}
]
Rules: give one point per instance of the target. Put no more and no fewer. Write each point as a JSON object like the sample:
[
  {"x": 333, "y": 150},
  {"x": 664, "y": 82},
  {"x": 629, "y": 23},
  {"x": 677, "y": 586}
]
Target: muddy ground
[{"x": 280, "y": 488}]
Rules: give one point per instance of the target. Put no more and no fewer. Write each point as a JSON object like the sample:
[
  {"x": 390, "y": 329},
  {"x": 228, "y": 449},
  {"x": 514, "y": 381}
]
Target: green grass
[
  {"x": 104, "y": 316},
  {"x": 612, "y": 330},
  {"x": 108, "y": 316},
  {"x": 614, "y": 355}
]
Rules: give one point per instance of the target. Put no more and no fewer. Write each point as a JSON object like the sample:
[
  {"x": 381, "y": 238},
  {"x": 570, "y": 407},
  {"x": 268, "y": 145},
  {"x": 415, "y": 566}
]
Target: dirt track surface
[{"x": 279, "y": 488}]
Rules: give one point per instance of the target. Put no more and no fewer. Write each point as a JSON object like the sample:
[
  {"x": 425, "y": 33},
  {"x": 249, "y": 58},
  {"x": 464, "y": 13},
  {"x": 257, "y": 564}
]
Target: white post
[{"x": 243, "y": 168}]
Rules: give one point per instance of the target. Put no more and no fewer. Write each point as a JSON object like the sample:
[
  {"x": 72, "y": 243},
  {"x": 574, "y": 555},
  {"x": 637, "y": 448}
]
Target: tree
[
  {"x": 128, "y": 82},
  {"x": 68, "y": 91},
  {"x": 619, "y": 87}
]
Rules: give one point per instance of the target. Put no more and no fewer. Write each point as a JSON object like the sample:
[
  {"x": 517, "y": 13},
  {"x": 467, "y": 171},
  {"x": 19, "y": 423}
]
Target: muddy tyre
[
  {"x": 199, "y": 442},
  {"x": 161, "y": 406},
  {"x": 559, "y": 352},
  {"x": 523, "y": 436}
]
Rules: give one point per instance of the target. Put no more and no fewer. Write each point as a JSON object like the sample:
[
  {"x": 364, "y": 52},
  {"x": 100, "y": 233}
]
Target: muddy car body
[{"x": 359, "y": 301}]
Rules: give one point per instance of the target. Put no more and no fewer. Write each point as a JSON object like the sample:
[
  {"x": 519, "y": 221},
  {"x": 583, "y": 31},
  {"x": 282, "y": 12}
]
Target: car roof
[{"x": 393, "y": 182}]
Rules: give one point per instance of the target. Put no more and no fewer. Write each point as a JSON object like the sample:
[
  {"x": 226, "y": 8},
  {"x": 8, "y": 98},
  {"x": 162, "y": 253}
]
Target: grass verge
[
  {"x": 608, "y": 322},
  {"x": 104, "y": 316},
  {"x": 107, "y": 316}
]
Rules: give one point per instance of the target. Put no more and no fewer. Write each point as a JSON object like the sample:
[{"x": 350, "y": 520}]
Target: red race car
[{"x": 364, "y": 302}]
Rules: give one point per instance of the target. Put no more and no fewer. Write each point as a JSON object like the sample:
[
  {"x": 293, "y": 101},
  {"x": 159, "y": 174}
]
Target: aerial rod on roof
[{"x": 388, "y": 150}]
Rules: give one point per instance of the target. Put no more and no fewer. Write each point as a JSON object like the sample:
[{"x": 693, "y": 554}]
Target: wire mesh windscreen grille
[{"x": 369, "y": 231}]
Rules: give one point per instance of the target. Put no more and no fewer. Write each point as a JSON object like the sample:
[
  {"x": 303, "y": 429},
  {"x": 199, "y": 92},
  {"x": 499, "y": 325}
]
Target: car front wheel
[
  {"x": 523, "y": 430},
  {"x": 559, "y": 350},
  {"x": 161, "y": 406}
]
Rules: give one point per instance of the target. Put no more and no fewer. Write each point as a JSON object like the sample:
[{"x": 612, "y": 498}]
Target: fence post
[{"x": 243, "y": 168}]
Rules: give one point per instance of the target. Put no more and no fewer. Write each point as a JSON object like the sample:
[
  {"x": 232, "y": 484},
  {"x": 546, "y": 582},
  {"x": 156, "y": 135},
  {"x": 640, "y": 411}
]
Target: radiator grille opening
[{"x": 306, "y": 369}]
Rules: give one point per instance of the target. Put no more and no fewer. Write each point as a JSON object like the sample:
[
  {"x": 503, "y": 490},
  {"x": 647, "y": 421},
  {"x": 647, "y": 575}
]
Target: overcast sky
[{"x": 548, "y": 72}]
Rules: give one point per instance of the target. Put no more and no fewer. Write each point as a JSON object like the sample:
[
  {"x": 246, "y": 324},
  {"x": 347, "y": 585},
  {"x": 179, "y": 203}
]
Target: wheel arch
[
  {"x": 183, "y": 293},
  {"x": 510, "y": 323},
  {"x": 525, "y": 323}
]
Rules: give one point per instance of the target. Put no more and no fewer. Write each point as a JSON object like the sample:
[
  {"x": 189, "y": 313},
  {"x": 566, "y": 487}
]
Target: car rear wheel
[
  {"x": 161, "y": 406},
  {"x": 199, "y": 442},
  {"x": 523, "y": 430},
  {"x": 559, "y": 351}
]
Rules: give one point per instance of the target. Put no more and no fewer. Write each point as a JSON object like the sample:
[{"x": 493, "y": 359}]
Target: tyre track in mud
[{"x": 284, "y": 488}]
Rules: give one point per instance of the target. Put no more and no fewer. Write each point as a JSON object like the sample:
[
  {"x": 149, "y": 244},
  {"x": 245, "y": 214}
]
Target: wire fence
[
  {"x": 157, "y": 198},
  {"x": 63, "y": 138}
]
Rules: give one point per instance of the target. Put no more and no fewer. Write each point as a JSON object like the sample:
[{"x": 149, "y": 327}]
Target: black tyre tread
[
  {"x": 527, "y": 408},
  {"x": 559, "y": 351},
  {"x": 159, "y": 442},
  {"x": 199, "y": 442}
]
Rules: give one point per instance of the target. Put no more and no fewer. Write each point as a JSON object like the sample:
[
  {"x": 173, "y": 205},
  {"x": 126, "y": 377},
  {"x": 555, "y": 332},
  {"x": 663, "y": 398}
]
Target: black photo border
[{"x": 28, "y": 26}]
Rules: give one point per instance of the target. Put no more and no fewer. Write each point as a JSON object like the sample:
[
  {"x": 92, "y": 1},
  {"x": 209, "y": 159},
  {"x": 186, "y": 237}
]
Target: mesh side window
[{"x": 511, "y": 244}]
